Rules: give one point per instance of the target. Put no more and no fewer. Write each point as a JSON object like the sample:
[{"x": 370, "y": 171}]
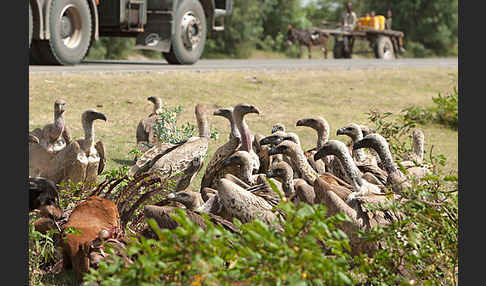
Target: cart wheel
[
  {"x": 384, "y": 48},
  {"x": 338, "y": 51}
]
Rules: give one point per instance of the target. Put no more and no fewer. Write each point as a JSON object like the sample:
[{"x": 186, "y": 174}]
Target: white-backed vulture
[
  {"x": 54, "y": 136},
  {"x": 366, "y": 162},
  {"x": 192, "y": 202},
  {"x": 298, "y": 159},
  {"x": 145, "y": 133},
  {"x": 82, "y": 160},
  {"x": 321, "y": 126},
  {"x": 242, "y": 204},
  {"x": 239, "y": 112},
  {"x": 354, "y": 132},
  {"x": 360, "y": 187},
  {"x": 186, "y": 157},
  {"x": 215, "y": 170},
  {"x": 396, "y": 179}
]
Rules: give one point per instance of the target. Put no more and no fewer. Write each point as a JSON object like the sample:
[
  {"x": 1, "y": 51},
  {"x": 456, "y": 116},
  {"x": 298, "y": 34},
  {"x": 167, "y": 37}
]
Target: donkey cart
[{"x": 381, "y": 42}]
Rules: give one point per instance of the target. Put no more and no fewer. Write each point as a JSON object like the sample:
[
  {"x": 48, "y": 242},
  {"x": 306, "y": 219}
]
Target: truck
[{"x": 61, "y": 32}]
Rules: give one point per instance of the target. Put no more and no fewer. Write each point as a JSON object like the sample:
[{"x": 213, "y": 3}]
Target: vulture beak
[
  {"x": 171, "y": 196},
  {"x": 99, "y": 115},
  {"x": 270, "y": 173},
  {"x": 340, "y": 131},
  {"x": 272, "y": 139}
]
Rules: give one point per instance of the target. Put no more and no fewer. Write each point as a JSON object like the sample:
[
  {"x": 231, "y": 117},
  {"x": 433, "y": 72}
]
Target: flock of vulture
[{"x": 236, "y": 182}]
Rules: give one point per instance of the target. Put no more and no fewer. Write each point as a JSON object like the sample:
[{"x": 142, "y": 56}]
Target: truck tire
[
  {"x": 70, "y": 32},
  {"x": 384, "y": 48},
  {"x": 31, "y": 25},
  {"x": 189, "y": 37}
]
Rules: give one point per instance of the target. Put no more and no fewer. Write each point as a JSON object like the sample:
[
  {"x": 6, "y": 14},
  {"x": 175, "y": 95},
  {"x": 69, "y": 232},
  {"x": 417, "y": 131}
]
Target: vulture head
[
  {"x": 353, "y": 130},
  {"x": 224, "y": 112},
  {"x": 286, "y": 147},
  {"x": 278, "y": 127},
  {"x": 366, "y": 129},
  {"x": 374, "y": 141},
  {"x": 331, "y": 147},
  {"x": 191, "y": 200},
  {"x": 59, "y": 106},
  {"x": 240, "y": 158},
  {"x": 281, "y": 170},
  {"x": 244, "y": 108},
  {"x": 91, "y": 114},
  {"x": 317, "y": 123},
  {"x": 155, "y": 100}
]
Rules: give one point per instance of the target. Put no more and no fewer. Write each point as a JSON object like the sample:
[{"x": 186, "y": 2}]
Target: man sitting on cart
[{"x": 348, "y": 23}]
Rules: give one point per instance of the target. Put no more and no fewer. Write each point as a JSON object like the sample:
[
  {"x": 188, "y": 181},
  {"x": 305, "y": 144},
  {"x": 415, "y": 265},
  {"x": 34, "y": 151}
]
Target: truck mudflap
[{"x": 157, "y": 33}]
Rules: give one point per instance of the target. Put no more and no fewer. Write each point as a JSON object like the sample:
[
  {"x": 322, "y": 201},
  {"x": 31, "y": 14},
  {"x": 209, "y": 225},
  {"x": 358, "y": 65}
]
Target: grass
[{"x": 341, "y": 97}]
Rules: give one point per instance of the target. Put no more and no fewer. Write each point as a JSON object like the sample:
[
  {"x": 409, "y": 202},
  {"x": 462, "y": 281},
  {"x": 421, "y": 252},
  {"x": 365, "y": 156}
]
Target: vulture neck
[
  {"x": 418, "y": 147},
  {"x": 234, "y": 130},
  {"x": 322, "y": 135},
  {"x": 358, "y": 154},
  {"x": 386, "y": 157},
  {"x": 350, "y": 169},
  {"x": 202, "y": 123},
  {"x": 89, "y": 134},
  {"x": 244, "y": 132},
  {"x": 298, "y": 158},
  {"x": 58, "y": 123},
  {"x": 288, "y": 185}
]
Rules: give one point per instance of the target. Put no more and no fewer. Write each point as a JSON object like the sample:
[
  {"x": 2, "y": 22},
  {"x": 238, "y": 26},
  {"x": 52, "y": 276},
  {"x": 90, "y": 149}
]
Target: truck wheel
[
  {"x": 338, "y": 50},
  {"x": 189, "y": 37},
  {"x": 384, "y": 48},
  {"x": 31, "y": 25},
  {"x": 70, "y": 32}
]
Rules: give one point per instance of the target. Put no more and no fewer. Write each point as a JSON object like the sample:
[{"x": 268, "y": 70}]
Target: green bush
[{"x": 445, "y": 111}]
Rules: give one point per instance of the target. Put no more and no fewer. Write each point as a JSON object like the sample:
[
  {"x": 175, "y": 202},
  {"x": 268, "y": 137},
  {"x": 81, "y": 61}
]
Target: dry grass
[{"x": 339, "y": 96}]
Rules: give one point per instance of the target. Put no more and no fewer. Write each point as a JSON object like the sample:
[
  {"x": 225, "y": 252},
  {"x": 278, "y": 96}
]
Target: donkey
[{"x": 308, "y": 38}]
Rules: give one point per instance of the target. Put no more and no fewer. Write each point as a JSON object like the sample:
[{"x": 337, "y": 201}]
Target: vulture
[
  {"x": 46, "y": 142},
  {"x": 42, "y": 192},
  {"x": 239, "y": 112},
  {"x": 276, "y": 138},
  {"x": 357, "y": 211},
  {"x": 192, "y": 202},
  {"x": 321, "y": 126},
  {"x": 145, "y": 135},
  {"x": 396, "y": 179},
  {"x": 360, "y": 187},
  {"x": 54, "y": 136},
  {"x": 167, "y": 160},
  {"x": 298, "y": 159},
  {"x": 354, "y": 132},
  {"x": 82, "y": 160},
  {"x": 215, "y": 170},
  {"x": 366, "y": 162},
  {"x": 242, "y": 204}
]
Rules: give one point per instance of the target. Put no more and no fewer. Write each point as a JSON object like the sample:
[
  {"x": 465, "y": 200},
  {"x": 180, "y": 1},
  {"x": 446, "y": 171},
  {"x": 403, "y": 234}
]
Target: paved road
[{"x": 242, "y": 65}]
